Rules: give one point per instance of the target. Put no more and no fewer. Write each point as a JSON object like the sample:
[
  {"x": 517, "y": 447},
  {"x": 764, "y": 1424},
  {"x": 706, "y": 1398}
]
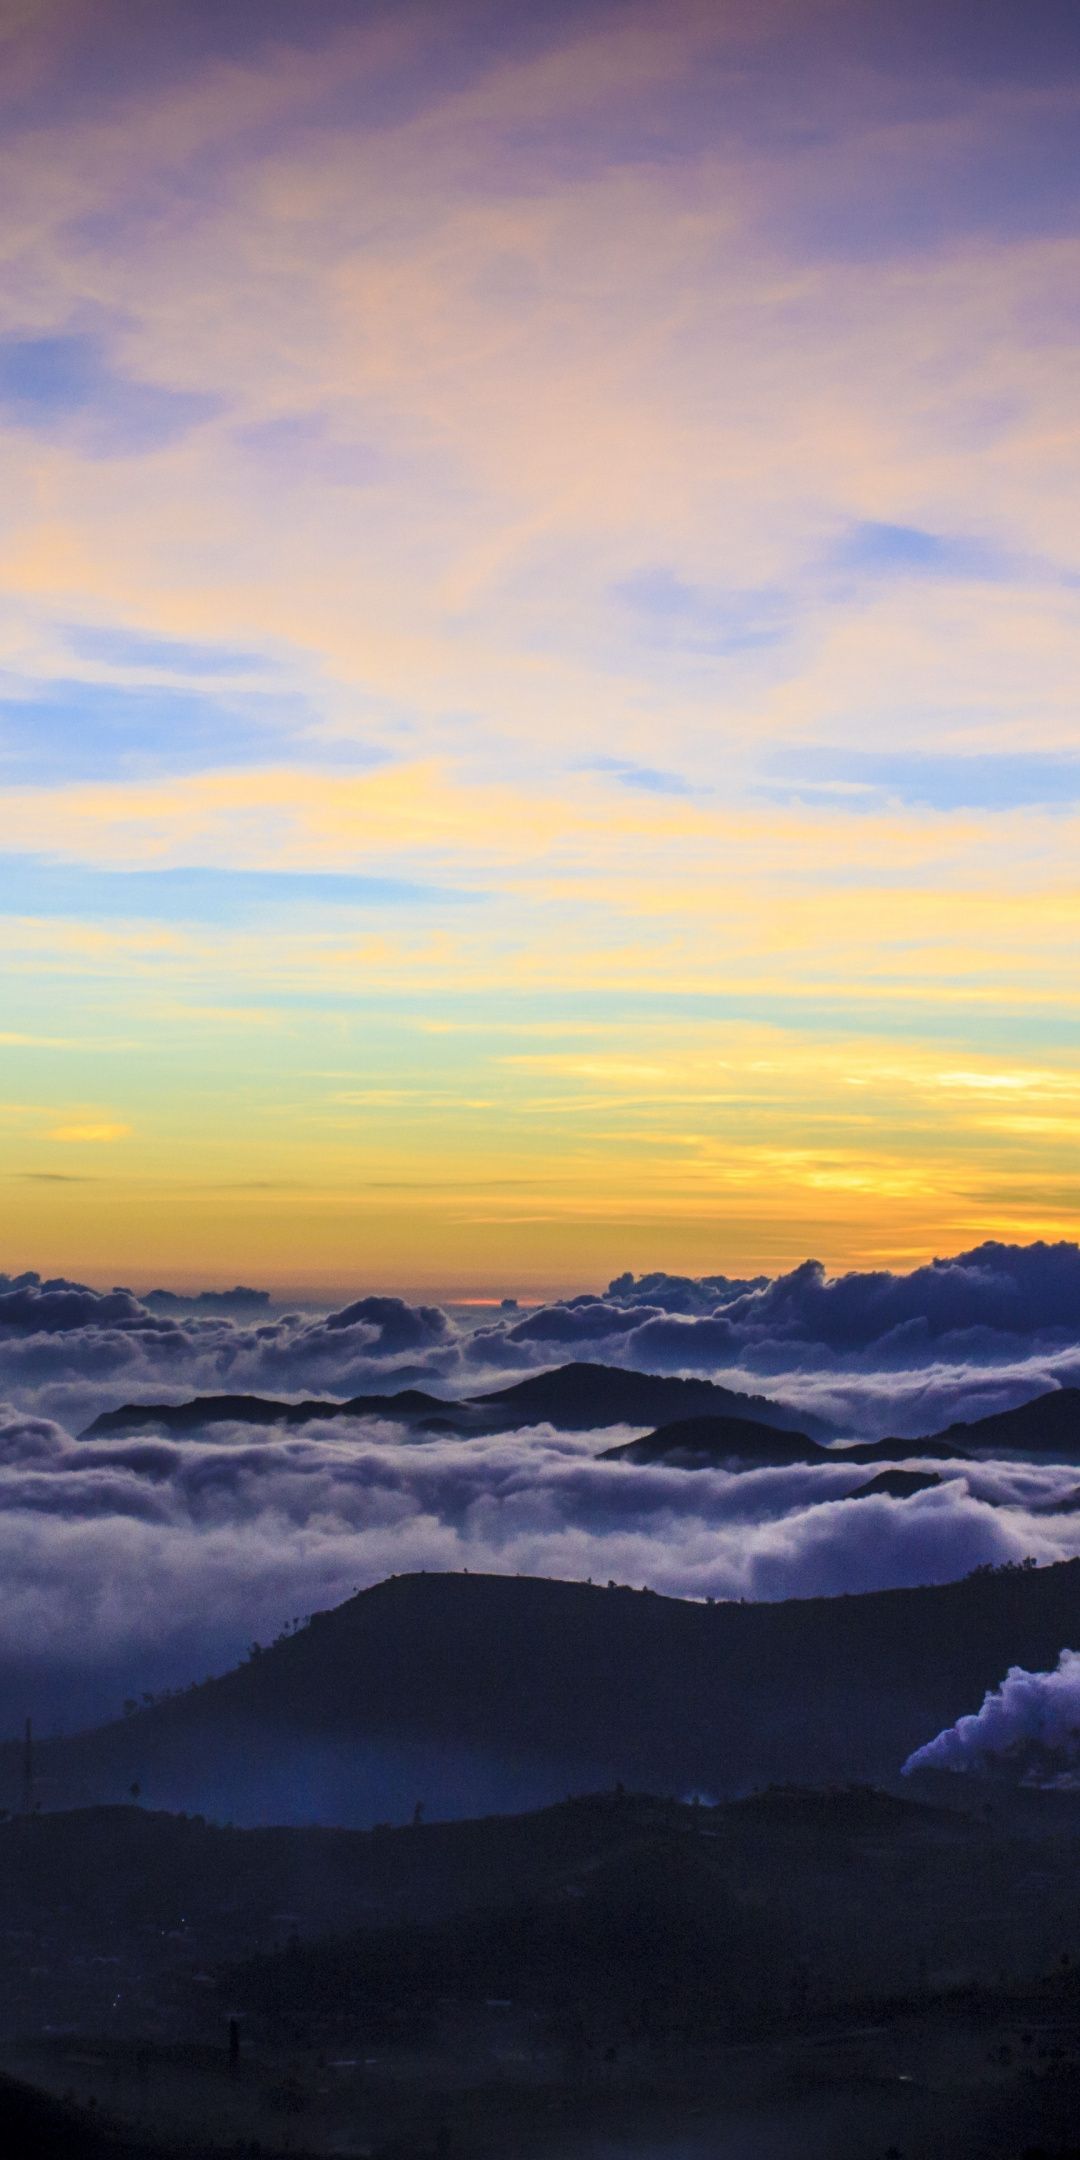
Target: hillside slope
[{"x": 492, "y": 1692}]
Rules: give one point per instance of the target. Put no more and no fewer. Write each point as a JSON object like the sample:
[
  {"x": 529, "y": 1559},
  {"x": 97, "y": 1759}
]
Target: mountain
[
  {"x": 1048, "y": 1425},
  {"x": 580, "y": 1397},
  {"x": 203, "y": 1411},
  {"x": 897, "y": 1484},
  {"x": 900, "y": 1451},
  {"x": 1064, "y": 1504},
  {"x": 703, "y": 1442},
  {"x": 575, "y": 1398},
  {"x": 481, "y": 1693}
]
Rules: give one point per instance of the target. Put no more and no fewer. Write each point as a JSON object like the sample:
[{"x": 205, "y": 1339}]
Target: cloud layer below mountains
[
  {"x": 872, "y": 1351},
  {"x": 141, "y": 1562}
]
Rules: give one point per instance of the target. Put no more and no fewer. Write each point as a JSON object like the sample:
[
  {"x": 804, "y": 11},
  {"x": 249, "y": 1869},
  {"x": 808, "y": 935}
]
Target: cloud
[
  {"x": 868, "y": 1351},
  {"x": 79, "y": 1350},
  {"x": 154, "y": 1559},
  {"x": 132, "y": 651},
  {"x": 999, "y": 781},
  {"x": 984, "y": 1330},
  {"x": 1028, "y": 1728},
  {"x": 648, "y": 779}
]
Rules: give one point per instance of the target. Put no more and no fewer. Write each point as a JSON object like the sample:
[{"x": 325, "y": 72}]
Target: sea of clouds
[
  {"x": 869, "y": 1350},
  {"x": 133, "y": 1563}
]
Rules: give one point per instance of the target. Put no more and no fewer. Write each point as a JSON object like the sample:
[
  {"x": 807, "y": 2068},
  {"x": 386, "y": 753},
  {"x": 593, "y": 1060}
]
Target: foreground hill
[
  {"x": 35, "y": 2127},
  {"x": 477, "y": 1693},
  {"x": 559, "y": 1984},
  {"x": 96, "y": 1872},
  {"x": 576, "y": 1398},
  {"x": 654, "y": 1919}
]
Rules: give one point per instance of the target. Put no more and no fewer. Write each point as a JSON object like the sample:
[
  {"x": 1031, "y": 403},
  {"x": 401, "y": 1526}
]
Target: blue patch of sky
[
  {"x": 32, "y": 886},
  {"x": 880, "y": 550},
  {"x": 648, "y": 779},
  {"x": 79, "y": 731},
  {"x": 144, "y": 654},
  {"x": 668, "y": 611},
  {"x": 76, "y": 731},
  {"x": 863, "y": 779},
  {"x": 68, "y": 383}
]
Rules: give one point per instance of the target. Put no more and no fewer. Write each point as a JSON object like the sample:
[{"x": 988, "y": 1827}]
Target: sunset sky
[{"x": 539, "y": 574}]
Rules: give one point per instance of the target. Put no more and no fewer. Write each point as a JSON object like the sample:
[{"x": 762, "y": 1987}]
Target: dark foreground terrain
[
  {"x": 698, "y": 1960},
  {"x": 475, "y": 1694},
  {"x": 818, "y": 1974}
]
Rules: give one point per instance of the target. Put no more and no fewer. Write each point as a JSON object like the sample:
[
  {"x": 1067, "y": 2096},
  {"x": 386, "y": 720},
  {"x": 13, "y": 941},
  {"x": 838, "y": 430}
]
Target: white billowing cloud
[
  {"x": 159, "y": 1559},
  {"x": 869, "y": 1351},
  {"x": 1028, "y": 1727}
]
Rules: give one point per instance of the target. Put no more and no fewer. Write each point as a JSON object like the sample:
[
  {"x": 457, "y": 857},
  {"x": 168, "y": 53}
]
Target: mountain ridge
[
  {"x": 578, "y": 1396},
  {"x": 1045, "y": 1424},
  {"x": 480, "y": 1692}
]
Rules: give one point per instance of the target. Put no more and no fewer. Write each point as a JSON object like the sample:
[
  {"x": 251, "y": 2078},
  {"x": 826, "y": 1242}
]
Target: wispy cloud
[{"x": 593, "y": 495}]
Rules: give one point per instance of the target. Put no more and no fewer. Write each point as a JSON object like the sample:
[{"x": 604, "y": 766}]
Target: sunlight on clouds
[{"x": 533, "y": 413}]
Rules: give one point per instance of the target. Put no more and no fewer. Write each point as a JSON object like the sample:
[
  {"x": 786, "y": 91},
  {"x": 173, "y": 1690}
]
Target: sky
[{"x": 539, "y": 554}]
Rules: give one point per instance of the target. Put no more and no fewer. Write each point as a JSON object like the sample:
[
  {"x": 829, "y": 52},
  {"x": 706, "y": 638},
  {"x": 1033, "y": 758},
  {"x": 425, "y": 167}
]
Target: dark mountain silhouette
[
  {"x": 1048, "y": 1425},
  {"x": 1066, "y": 1504},
  {"x": 649, "y": 1935},
  {"x": 35, "y": 2127},
  {"x": 497, "y": 1692},
  {"x": 897, "y": 1484},
  {"x": 899, "y": 1451},
  {"x": 576, "y": 1398},
  {"x": 697, "y": 1443},
  {"x": 206, "y": 1410},
  {"x": 241, "y": 1300}
]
